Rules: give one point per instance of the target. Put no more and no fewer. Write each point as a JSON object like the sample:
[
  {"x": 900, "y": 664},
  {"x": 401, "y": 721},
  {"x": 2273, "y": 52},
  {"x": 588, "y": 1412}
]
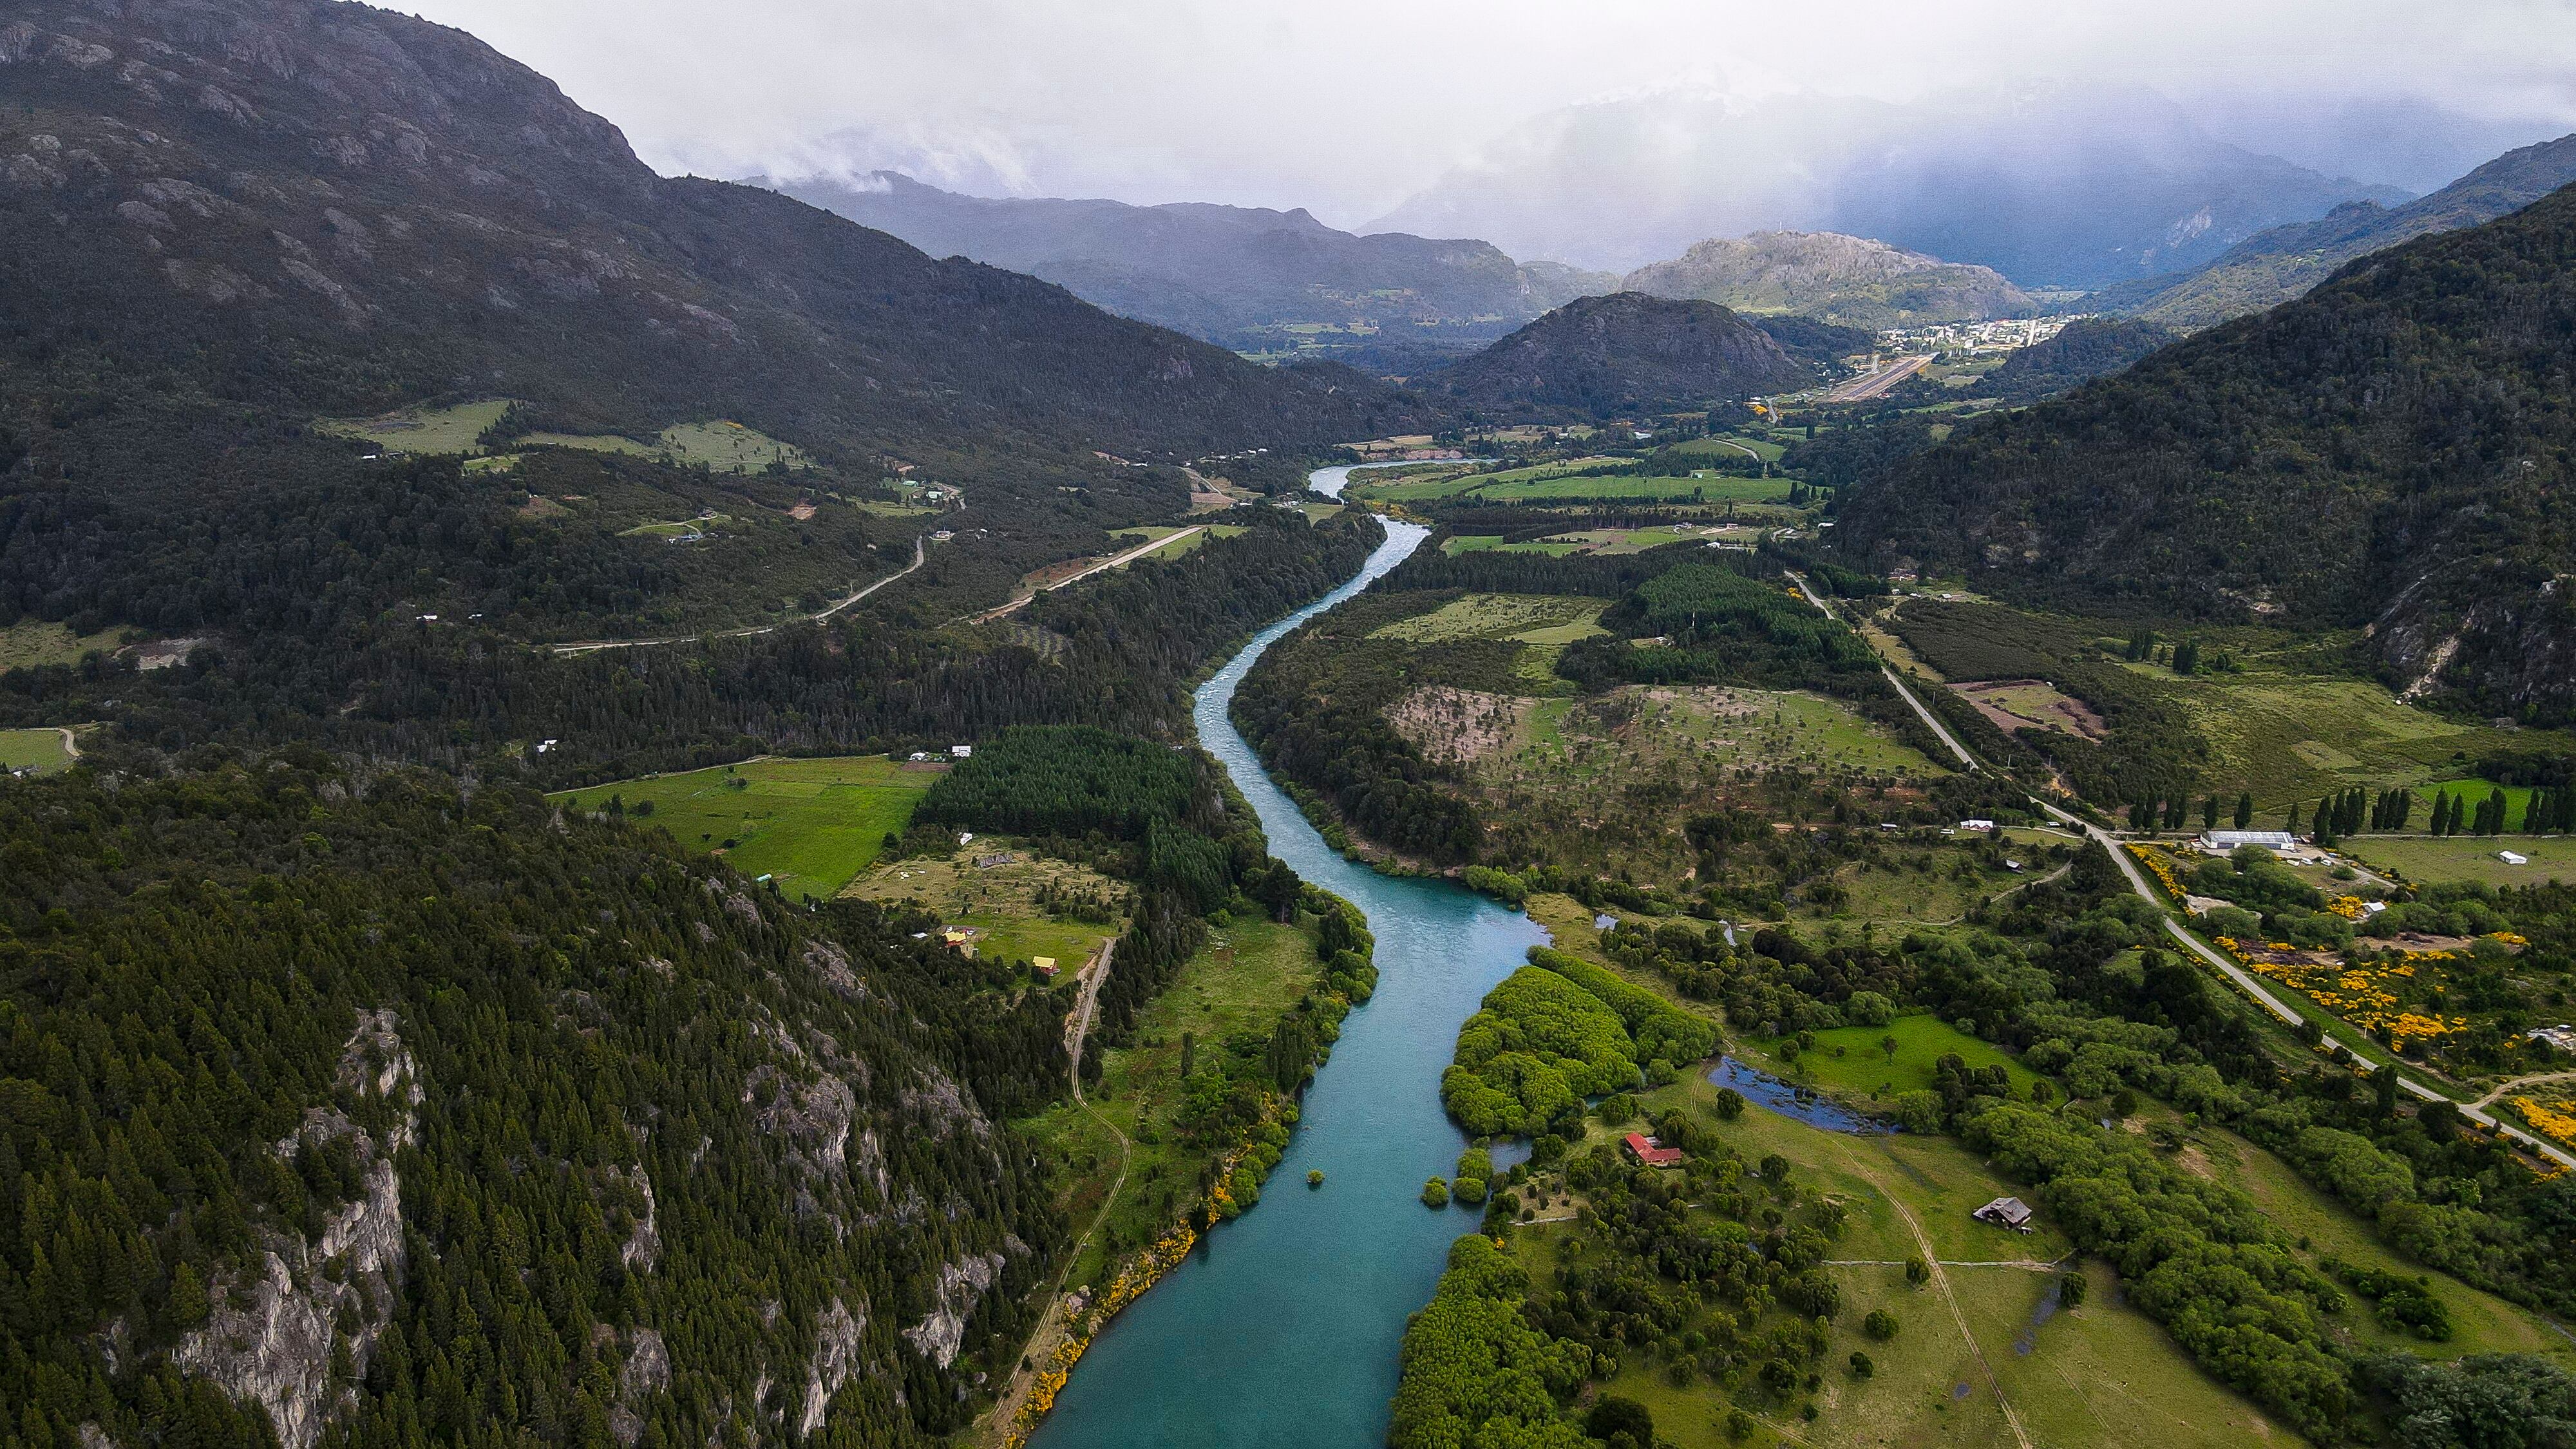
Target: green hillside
[{"x": 2385, "y": 452}]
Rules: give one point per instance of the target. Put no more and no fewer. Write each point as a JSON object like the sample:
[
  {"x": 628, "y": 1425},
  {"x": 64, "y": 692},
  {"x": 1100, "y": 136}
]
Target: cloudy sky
[{"x": 1349, "y": 106}]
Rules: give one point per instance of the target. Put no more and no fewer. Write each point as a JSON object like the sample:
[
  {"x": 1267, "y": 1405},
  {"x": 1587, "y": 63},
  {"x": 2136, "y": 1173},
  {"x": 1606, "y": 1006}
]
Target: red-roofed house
[{"x": 1650, "y": 1153}]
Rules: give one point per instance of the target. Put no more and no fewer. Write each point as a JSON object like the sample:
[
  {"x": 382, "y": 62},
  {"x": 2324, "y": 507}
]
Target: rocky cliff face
[{"x": 271, "y": 1338}]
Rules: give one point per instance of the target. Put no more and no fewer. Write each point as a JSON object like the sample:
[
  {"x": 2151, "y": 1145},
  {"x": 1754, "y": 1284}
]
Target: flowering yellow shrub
[
  {"x": 2552, "y": 1119},
  {"x": 2155, "y": 862},
  {"x": 2348, "y": 907}
]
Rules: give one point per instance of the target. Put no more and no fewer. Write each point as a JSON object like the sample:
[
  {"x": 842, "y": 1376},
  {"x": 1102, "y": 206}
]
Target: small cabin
[
  {"x": 2006, "y": 1212},
  {"x": 1647, "y": 1152}
]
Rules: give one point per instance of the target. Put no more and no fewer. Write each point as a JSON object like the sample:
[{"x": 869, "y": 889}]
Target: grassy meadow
[
  {"x": 1851, "y": 1061},
  {"x": 1250, "y": 972},
  {"x": 40, "y": 750},
  {"x": 810, "y": 824},
  {"x": 32, "y": 643},
  {"x": 428, "y": 431}
]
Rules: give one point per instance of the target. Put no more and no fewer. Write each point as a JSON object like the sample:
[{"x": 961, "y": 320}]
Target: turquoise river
[{"x": 1281, "y": 1330}]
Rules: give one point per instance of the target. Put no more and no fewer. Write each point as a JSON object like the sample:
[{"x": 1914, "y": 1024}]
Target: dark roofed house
[
  {"x": 1650, "y": 1153},
  {"x": 2006, "y": 1212}
]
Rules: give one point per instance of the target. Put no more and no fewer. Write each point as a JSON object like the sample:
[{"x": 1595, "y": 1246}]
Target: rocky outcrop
[
  {"x": 961, "y": 1285},
  {"x": 647, "y": 1372},
  {"x": 268, "y": 1338},
  {"x": 837, "y": 1351}
]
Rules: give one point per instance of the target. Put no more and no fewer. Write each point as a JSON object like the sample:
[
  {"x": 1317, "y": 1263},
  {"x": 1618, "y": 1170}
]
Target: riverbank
[{"x": 1309, "y": 1291}]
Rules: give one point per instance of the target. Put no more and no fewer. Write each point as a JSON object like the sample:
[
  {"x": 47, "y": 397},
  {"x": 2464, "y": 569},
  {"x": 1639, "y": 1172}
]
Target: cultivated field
[{"x": 810, "y": 824}]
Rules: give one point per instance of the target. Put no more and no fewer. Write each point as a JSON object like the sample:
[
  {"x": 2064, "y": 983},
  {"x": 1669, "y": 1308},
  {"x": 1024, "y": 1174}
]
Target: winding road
[
  {"x": 2202, "y": 950},
  {"x": 920, "y": 551}
]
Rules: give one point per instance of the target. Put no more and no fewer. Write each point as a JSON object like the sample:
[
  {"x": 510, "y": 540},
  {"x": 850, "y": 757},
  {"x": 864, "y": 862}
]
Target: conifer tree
[{"x": 2244, "y": 809}]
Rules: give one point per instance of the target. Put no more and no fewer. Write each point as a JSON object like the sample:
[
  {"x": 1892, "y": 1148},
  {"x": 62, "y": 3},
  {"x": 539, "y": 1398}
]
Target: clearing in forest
[
  {"x": 423, "y": 430},
  {"x": 719, "y": 446},
  {"x": 1528, "y": 618},
  {"x": 809, "y": 824},
  {"x": 42, "y": 751},
  {"x": 1015, "y": 904}
]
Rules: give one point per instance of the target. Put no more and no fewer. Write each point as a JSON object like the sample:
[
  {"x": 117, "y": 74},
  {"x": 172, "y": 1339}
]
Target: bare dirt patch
[
  {"x": 2013, "y": 705},
  {"x": 1459, "y": 726}
]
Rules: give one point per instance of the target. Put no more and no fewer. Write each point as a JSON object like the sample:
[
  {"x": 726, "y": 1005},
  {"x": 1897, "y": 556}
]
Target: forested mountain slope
[
  {"x": 2390, "y": 451},
  {"x": 323, "y": 206},
  {"x": 1623, "y": 353},
  {"x": 1236, "y": 276},
  {"x": 1847, "y": 280},
  {"x": 2084, "y": 349},
  {"x": 2273, "y": 266},
  {"x": 392, "y": 1114}
]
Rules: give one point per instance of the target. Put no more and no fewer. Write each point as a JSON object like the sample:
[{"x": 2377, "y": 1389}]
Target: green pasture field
[
  {"x": 30, "y": 643},
  {"x": 1716, "y": 447},
  {"x": 1562, "y": 619},
  {"x": 2425, "y": 860},
  {"x": 423, "y": 430},
  {"x": 40, "y": 750},
  {"x": 1249, "y": 974},
  {"x": 1182, "y": 546},
  {"x": 810, "y": 824},
  {"x": 1713, "y": 489},
  {"x": 1865, "y": 1071},
  {"x": 723, "y": 447},
  {"x": 893, "y": 510},
  {"x": 2469, "y": 790}
]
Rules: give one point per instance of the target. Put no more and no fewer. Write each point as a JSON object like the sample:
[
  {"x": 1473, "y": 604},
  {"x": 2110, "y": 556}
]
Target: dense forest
[
  {"x": 1114, "y": 653},
  {"x": 675, "y": 1161},
  {"x": 2382, "y": 451}
]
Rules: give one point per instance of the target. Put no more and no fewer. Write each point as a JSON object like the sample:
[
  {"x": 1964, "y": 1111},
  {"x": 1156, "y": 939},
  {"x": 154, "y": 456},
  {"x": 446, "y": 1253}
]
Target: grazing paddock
[{"x": 810, "y": 824}]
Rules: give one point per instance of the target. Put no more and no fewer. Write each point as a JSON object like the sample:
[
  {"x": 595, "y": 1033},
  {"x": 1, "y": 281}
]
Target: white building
[
  {"x": 2222, "y": 842},
  {"x": 962, "y": 751},
  {"x": 1976, "y": 825},
  {"x": 2513, "y": 857}
]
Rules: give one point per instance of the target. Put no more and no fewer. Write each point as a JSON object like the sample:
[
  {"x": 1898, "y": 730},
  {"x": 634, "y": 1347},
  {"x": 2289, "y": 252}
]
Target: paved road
[
  {"x": 1864, "y": 388},
  {"x": 1130, "y": 556},
  {"x": 2227, "y": 966},
  {"x": 920, "y": 551}
]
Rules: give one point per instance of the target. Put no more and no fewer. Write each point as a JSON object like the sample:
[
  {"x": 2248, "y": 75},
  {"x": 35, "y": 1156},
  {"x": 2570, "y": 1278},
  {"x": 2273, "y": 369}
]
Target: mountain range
[
  {"x": 1846, "y": 280},
  {"x": 2275, "y": 265},
  {"x": 2052, "y": 187},
  {"x": 330, "y": 208},
  {"x": 2384, "y": 453},
  {"x": 1252, "y": 279}
]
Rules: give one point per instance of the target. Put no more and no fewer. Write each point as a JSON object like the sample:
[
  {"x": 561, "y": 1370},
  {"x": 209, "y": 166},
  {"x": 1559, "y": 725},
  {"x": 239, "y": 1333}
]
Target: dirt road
[
  {"x": 920, "y": 551},
  {"x": 1113, "y": 561}
]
